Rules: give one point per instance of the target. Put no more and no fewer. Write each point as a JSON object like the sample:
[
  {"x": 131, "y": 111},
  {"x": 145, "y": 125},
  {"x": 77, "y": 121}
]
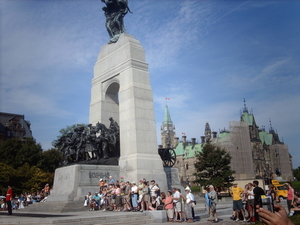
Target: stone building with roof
[
  {"x": 255, "y": 153},
  {"x": 14, "y": 126},
  {"x": 168, "y": 135}
]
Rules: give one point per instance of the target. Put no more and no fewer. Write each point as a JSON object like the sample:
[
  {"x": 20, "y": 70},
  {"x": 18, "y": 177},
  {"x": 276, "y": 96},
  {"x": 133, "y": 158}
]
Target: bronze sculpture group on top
[
  {"x": 92, "y": 144},
  {"x": 114, "y": 11}
]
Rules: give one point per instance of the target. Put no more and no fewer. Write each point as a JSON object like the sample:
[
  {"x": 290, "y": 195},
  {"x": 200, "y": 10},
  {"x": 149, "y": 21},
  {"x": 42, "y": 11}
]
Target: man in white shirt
[
  {"x": 188, "y": 207},
  {"x": 153, "y": 188},
  {"x": 177, "y": 203}
]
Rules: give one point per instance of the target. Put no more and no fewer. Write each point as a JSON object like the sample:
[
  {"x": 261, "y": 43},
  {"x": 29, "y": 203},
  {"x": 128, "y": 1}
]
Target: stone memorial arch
[{"x": 121, "y": 89}]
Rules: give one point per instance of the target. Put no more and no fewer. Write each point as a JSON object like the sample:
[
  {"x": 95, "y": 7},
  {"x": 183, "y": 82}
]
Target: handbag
[
  {"x": 193, "y": 204},
  {"x": 213, "y": 205},
  {"x": 85, "y": 203}
]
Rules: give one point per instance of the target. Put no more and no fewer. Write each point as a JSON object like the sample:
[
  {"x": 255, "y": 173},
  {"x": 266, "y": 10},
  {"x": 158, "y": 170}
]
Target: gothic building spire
[
  {"x": 245, "y": 109},
  {"x": 168, "y": 130},
  {"x": 167, "y": 117},
  {"x": 275, "y": 134},
  {"x": 271, "y": 128}
]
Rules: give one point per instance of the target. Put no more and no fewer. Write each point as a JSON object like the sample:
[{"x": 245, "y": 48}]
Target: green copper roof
[
  {"x": 167, "y": 117},
  {"x": 179, "y": 149},
  {"x": 248, "y": 118},
  {"x": 223, "y": 134},
  {"x": 188, "y": 152},
  {"x": 265, "y": 138}
]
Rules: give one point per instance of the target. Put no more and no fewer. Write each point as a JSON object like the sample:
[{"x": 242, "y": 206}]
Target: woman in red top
[{"x": 169, "y": 206}]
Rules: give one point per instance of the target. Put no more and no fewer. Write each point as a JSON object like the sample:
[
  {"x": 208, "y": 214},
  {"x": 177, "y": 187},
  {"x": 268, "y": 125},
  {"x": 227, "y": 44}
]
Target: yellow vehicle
[{"x": 281, "y": 192}]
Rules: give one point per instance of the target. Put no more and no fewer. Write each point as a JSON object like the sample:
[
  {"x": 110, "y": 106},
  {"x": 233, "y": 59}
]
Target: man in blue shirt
[
  {"x": 111, "y": 181},
  {"x": 207, "y": 204},
  {"x": 97, "y": 198}
]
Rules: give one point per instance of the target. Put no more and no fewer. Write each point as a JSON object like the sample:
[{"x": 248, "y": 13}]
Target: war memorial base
[
  {"x": 72, "y": 183},
  {"x": 120, "y": 89}
]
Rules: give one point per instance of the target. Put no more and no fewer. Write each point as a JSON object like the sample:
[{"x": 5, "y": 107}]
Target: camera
[{"x": 267, "y": 202}]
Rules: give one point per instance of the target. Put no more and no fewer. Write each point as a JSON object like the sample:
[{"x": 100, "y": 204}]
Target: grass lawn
[
  {"x": 295, "y": 219},
  {"x": 295, "y": 185}
]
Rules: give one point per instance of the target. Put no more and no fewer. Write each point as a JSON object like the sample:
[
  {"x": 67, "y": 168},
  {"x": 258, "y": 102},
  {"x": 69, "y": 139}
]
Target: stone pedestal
[
  {"x": 72, "y": 183},
  {"x": 172, "y": 174},
  {"x": 121, "y": 89}
]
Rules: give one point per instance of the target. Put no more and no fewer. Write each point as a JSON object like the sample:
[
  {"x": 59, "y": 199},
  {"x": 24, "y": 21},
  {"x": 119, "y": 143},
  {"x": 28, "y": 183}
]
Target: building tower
[
  {"x": 207, "y": 132},
  {"x": 168, "y": 131}
]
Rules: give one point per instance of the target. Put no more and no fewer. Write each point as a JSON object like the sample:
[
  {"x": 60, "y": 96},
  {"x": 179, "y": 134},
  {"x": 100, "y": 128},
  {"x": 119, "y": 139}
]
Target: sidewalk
[{"x": 224, "y": 210}]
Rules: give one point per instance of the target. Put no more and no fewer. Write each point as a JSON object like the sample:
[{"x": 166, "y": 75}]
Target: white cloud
[
  {"x": 26, "y": 101},
  {"x": 270, "y": 70},
  {"x": 166, "y": 39}
]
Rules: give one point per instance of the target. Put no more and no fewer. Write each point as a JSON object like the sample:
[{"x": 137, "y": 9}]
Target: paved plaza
[{"x": 100, "y": 217}]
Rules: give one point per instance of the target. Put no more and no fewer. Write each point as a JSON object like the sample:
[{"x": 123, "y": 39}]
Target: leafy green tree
[
  {"x": 30, "y": 152},
  {"x": 213, "y": 167},
  {"x": 9, "y": 150},
  {"x": 6, "y": 173},
  {"x": 30, "y": 178},
  {"x": 50, "y": 160},
  {"x": 19, "y": 164},
  {"x": 16, "y": 152},
  {"x": 296, "y": 173}
]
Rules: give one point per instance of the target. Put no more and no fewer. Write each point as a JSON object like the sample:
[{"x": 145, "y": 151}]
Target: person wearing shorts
[
  {"x": 250, "y": 201},
  {"x": 236, "y": 193}
]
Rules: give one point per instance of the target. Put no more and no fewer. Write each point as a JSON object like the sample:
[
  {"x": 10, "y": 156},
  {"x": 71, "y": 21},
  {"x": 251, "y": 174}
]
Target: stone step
[
  {"x": 108, "y": 220},
  {"x": 117, "y": 219},
  {"x": 76, "y": 206}
]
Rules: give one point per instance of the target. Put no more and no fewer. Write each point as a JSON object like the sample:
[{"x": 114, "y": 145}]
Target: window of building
[{"x": 186, "y": 166}]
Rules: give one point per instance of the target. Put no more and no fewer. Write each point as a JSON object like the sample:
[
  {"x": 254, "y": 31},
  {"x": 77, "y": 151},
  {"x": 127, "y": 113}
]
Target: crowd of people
[
  {"x": 11, "y": 202},
  {"x": 249, "y": 204},
  {"x": 293, "y": 200},
  {"x": 253, "y": 204},
  {"x": 130, "y": 196},
  {"x": 246, "y": 201}
]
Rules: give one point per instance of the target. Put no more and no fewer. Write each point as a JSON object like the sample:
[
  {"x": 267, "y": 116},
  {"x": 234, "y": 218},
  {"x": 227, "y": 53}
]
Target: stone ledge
[{"x": 159, "y": 216}]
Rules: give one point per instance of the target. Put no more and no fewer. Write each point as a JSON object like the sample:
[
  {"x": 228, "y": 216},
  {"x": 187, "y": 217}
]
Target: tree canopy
[
  {"x": 296, "y": 173},
  {"x": 25, "y": 166},
  {"x": 16, "y": 152},
  {"x": 50, "y": 160},
  {"x": 213, "y": 167}
]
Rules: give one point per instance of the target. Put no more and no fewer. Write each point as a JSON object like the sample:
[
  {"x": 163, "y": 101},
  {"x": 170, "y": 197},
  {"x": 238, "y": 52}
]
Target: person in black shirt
[{"x": 258, "y": 192}]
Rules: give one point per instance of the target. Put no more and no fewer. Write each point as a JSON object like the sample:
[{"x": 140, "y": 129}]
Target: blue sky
[{"x": 206, "y": 56}]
